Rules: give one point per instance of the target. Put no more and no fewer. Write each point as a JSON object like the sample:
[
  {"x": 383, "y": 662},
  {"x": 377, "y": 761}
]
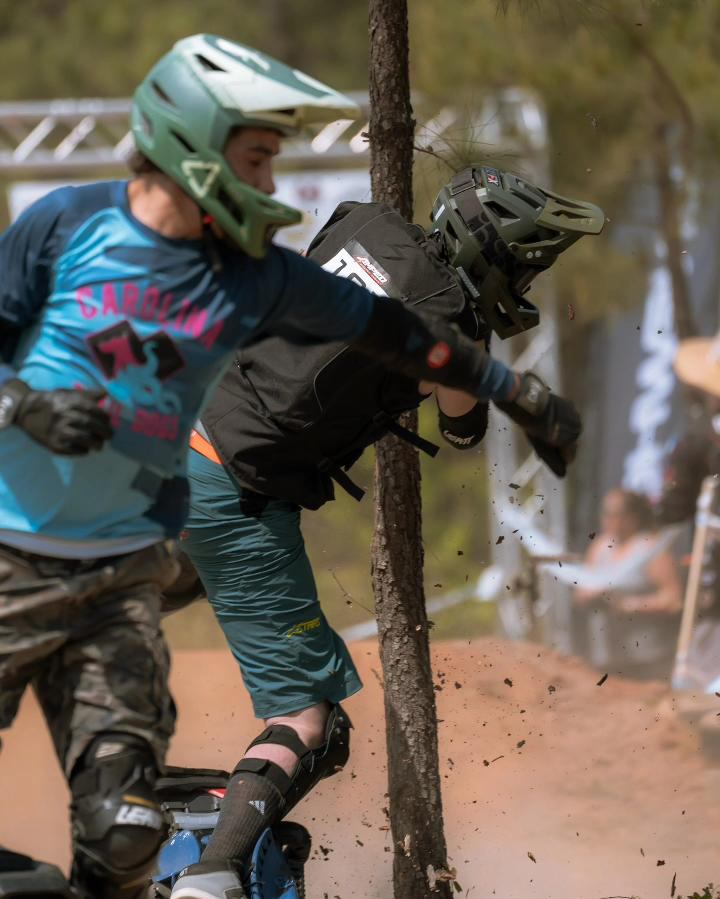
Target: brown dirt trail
[{"x": 602, "y": 785}]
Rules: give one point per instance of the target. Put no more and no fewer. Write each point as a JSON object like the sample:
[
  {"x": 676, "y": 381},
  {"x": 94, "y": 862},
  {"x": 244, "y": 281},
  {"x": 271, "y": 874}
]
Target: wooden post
[{"x": 704, "y": 523}]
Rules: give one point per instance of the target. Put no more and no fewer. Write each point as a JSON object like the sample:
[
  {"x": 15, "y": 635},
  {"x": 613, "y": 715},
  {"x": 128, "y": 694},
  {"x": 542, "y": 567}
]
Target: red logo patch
[{"x": 439, "y": 355}]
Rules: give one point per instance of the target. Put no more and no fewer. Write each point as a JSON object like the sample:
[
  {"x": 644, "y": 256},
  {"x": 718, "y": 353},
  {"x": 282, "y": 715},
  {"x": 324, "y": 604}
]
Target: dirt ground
[{"x": 553, "y": 786}]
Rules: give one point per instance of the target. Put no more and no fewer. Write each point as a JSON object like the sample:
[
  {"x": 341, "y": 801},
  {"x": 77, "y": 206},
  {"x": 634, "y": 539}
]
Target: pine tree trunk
[
  {"x": 397, "y": 555},
  {"x": 671, "y": 196}
]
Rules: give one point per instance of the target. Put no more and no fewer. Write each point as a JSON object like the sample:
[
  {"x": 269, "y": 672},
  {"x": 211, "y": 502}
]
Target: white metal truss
[
  {"x": 528, "y": 503},
  {"x": 58, "y": 137}
]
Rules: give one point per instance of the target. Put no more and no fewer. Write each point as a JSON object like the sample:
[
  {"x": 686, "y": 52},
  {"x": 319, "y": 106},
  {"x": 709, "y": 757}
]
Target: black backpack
[{"x": 287, "y": 420}]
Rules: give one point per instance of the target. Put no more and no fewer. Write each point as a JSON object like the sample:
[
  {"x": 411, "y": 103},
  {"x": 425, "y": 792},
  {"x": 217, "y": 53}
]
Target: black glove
[
  {"x": 67, "y": 422},
  {"x": 551, "y": 423}
]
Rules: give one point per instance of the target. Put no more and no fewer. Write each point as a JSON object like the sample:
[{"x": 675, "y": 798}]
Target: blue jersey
[{"x": 92, "y": 298}]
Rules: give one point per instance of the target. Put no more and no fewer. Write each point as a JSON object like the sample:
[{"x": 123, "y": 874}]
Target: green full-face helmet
[
  {"x": 186, "y": 108},
  {"x": 500, "y": 232}
]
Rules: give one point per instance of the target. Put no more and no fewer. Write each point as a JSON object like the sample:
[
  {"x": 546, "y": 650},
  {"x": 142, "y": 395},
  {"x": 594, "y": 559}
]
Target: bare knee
[{"x": 309, "y": 724}]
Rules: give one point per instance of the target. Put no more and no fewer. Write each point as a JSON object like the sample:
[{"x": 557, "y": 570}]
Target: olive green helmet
[
  {"x": 500, "y": 232},
  {"x": 186, "y": 108}
]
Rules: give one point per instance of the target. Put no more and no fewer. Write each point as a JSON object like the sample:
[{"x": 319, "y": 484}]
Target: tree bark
[
  {"x": 671, "y": 198},
  {"x": 397, "y": 556}
]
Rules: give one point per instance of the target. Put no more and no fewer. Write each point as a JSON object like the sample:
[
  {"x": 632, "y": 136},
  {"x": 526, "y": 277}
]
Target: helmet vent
[
  {"x": 499, "y": 210},
  {"x": 183, "y": 143},
  {"x": 161, "y": 93},
  {"x": 527, "y": 197},
  {"x": 146, "y": 124},
  {"x": 232, "y": 207},
  {"x": 208, "y": 64},
  {"x": 569, "y": 214}
]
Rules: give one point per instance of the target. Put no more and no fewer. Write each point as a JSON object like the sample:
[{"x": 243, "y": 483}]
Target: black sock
[{"x": 251, "y": 804}]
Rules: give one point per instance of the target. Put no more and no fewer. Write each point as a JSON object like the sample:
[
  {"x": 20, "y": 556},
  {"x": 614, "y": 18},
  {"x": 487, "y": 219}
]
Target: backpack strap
[
  {"x": 425, "y": 446},
  {"x": 341, "y": 478},
  {"x": 387, "y": 421}
]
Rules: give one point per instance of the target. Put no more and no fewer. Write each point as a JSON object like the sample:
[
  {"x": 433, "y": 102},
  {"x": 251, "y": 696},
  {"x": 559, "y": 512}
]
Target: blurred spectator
[
  {"x": 629, "y": 628},
  {"x": 695, "y": 456}
]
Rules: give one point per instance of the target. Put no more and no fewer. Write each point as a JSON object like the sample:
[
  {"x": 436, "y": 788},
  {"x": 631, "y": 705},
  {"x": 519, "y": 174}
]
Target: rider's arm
[
  {"x": 64, "y": 421},
  {"x": 462, "y": 420},
  {"x": 26, "y": 250},
  {"x": 430, "y": 349},
  {"x": 461, "y": 429},
  {"x": 312, "y": 305}
]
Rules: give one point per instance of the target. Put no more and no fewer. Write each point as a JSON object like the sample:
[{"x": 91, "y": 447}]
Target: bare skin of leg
[{"x": 309, "y": 724}]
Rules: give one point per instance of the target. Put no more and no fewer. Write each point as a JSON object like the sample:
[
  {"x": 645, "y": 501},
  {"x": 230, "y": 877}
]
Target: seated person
[{"x": 630, "y": 625}]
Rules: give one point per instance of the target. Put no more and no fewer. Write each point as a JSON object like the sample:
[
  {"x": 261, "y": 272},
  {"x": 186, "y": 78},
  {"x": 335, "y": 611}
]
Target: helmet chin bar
[
  {"x": 502, "y": 308},
  {"x": 499, "y": 233}
]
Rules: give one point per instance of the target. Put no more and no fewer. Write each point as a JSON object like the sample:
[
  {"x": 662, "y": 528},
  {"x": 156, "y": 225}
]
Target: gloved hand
[
  {"x": 67, "y": 422},
  {"x": 551, "y": 423}
]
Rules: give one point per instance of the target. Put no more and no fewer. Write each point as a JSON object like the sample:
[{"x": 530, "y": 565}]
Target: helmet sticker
[{"x": 200, "y": 175}]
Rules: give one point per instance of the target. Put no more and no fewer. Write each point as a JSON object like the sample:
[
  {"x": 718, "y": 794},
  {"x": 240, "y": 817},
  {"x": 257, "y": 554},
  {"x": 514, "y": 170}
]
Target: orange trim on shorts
[{"x": 204, "y": 447}]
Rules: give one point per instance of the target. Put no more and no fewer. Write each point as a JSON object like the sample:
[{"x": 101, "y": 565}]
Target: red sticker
[{"x": 439, "y": 355}]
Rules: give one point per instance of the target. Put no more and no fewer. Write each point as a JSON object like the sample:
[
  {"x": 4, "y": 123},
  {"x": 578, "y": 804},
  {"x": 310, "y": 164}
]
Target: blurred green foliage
[{"x": 87, "y": 48}]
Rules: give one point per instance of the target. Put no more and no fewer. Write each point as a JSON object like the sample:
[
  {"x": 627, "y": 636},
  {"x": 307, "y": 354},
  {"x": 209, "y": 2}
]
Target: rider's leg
[
  {"x": 26, "y": 641},
  {"x": 250, "y": 554},
  {"x": 255, "y": 801},
  {"x": 259, "y": 794},
  {"x": 118, "y": 826},
  {"x": 105, "y": 698},
  {"x": 33, "y": 620}
]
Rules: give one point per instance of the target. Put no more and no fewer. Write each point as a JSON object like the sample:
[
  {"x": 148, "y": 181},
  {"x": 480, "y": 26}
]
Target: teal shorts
[{"x": 250, "y": 554}]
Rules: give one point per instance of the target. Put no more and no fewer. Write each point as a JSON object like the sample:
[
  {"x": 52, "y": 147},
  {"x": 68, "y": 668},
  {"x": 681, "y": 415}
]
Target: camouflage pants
[{"x": 86, "y": 635}]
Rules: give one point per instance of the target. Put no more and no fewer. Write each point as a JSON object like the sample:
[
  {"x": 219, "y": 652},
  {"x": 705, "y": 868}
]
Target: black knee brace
[
  {"x": 314, "y": 764},
  {"x": 117, "y": 823}
]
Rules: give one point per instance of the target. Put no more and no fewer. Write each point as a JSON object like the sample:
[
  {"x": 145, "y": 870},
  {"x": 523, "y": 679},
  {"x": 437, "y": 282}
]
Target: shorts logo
[
  {"x": 299, "y": 629},
  {"x": 439, "y": 355},
  {"x": 258, "y": 805}
]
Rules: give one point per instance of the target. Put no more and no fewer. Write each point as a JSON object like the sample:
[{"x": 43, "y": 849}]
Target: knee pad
[
  {"x": 314, "y": 764},
  {"x": 117, "y": 822}
]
